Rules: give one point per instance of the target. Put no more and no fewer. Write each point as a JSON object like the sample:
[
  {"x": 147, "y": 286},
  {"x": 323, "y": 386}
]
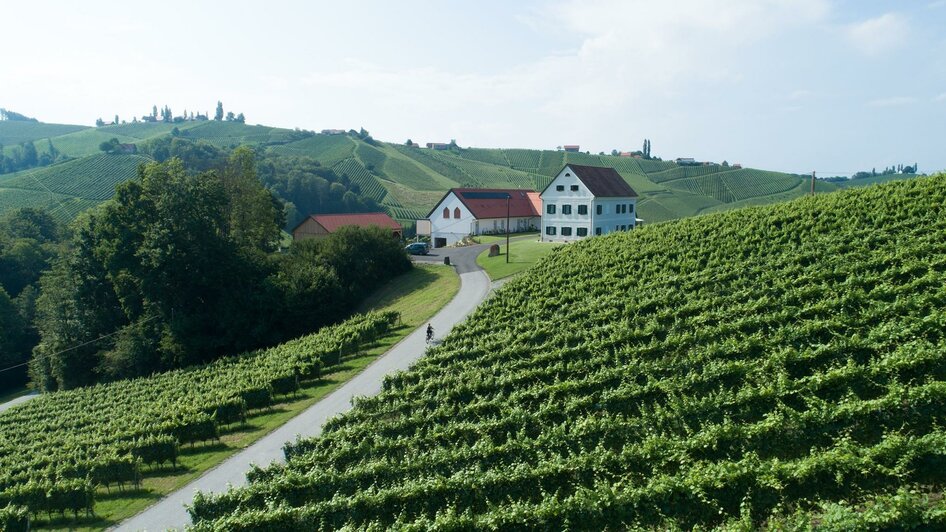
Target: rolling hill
[
  {"x": 779, "y": 367},
  {"x": 408, "y": 181}
]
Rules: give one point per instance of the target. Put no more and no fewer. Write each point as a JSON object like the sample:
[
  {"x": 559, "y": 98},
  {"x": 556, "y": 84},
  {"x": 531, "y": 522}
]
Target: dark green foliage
[
  {"x": 309, "y": 188},
  {"x": 779, "y": 367}
]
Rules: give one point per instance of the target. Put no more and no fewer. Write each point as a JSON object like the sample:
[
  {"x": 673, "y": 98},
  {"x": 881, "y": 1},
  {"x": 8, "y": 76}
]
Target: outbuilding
[
  {"x": 322, "y": 225},
  {"x": 478, "y": 211}
]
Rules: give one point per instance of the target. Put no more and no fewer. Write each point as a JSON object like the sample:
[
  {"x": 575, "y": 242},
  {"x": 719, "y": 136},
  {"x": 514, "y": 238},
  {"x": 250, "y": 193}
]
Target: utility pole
[
  {"x": 812, "y": 182},
  {"x": 507, "y": 227}
]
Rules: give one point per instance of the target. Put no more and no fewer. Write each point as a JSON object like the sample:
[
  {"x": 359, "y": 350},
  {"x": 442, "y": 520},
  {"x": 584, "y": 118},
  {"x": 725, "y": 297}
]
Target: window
[
  {"x": 550, "y": 230},
  {"x": 622, "y": 209},
  {"x": 623, "y": 228},
  {"x": 582, "y": 231},
  {"x": 597, "y": 230},
  {"x": 632, "y": 208},
  {"x": 456, "y": 212},
  {"x": 550, "y": 208},
  {"x": 566, "y": 209},
  {"x": 582, "y": 209},
  {"x": 598, "y": 209},
  {"x": 446, "y": 212},
  {"x": 560, "y": 188},
  {"x": 566, "y": 231},
  {"x": 574, "y": 188}
]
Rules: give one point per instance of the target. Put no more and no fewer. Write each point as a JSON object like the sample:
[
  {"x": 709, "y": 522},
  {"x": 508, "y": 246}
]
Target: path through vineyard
[{"x": 170, "y": 512}]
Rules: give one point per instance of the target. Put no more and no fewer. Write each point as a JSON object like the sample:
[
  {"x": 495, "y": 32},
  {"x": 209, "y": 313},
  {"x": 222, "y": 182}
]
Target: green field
[
  {"x": 524, "y": 254},
  {"x": 116, "y": 432},
  {"x": 779, "y": 367},
  {"x": 408, "y": 181}
]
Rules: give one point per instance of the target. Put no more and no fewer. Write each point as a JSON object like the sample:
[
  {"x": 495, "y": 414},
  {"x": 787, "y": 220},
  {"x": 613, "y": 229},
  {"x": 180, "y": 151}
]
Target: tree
[
  {"x": 116, "y": 120},
  {"x": 154, "y": 112},
  {"x": 13, "y": 345},
  {"x": 255, "y": 219},
  {"x": 219, "y": 114},
  {"x": 615, "y": 153},
  {"x": 230, "y": 116},
  {"x": 409, "y": 142},
  {"x": 110, "y": 146},
  {"x": 240, "y": 119},
  {"x": 99, "y": 122}
]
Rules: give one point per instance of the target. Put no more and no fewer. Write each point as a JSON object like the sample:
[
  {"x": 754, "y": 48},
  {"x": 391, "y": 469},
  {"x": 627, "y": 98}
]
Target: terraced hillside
[
  {"x": 774, "y": 367},
  {"x": 68, "y": 188},
  {"x": 408, "y": 181}
]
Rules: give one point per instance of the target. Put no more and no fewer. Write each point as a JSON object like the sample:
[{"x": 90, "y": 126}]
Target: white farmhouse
[
  {"x": 586, "y": 200},
  {"x": 480, "y": 211}
]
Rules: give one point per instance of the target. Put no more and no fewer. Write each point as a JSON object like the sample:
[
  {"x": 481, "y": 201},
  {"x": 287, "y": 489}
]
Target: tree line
[
  {"x": 25, "y": 156},
  {"x": 178, "y": 268}
]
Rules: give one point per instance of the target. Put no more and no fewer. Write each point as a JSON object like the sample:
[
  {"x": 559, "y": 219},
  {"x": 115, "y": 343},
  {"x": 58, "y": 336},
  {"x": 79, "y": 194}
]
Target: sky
[{"x": 833, "y": 86}]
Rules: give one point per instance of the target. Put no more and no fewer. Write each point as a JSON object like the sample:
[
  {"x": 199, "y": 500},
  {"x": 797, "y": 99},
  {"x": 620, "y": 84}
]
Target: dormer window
[
  {"x": 456, "y": 212},
  {"x": 446, "y": 212}
]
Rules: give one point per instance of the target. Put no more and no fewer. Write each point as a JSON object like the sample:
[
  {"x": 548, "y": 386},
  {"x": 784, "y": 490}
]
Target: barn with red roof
[
  {"x": 480, "y": 211},
  {"x": 321, "y": 225}
]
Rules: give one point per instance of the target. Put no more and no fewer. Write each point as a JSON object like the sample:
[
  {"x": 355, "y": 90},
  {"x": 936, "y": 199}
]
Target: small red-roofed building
[{"x": 322, "y": 225}]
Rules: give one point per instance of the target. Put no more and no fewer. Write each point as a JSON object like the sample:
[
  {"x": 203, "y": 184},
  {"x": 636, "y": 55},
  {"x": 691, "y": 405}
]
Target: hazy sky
[{"x": 832, "y": 86}]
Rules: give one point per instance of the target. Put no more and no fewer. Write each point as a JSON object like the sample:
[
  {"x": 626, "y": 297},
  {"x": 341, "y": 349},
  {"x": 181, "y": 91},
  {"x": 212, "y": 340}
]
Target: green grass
[
  {"x": 15, "y": 132},
  {"x": 493, "y": 239},
  {"x": 525, "y": 253},
  {"x": 417, "y": 295}
]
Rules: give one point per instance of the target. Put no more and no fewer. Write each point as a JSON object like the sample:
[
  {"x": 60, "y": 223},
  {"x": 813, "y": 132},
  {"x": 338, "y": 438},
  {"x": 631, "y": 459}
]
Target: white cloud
[
  {"x": 894, "y": 101},
  {"x": 940, "y": 98},
  {"x": 878, "y": 35}
]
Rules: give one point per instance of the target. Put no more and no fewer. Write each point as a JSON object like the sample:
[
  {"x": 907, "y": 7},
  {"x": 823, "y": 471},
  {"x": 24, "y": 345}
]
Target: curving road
[
  {"x": 170, "y": 512},
  {"x": 18, "y": 401}
]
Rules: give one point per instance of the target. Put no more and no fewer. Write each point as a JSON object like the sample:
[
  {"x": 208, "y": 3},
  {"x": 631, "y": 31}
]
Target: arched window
[
  {"x": 456, "y": 212},
  {"x": 446, "y": 212}
]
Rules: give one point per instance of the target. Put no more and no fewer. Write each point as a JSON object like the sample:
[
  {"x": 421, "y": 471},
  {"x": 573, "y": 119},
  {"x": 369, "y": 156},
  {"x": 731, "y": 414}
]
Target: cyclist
[{"x": 430, "y": 332}]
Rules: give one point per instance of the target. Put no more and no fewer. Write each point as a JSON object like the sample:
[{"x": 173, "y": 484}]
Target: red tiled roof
[
  {"x": 331, "y": 222},
  {"x": 486, "y": 203}
]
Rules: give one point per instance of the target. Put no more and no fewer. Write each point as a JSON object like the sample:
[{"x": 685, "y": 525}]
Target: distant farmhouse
[
  {"x": 686, "y": 161},
  {"x": 587, "y": 200},
  {"x": 572, "y": 148},
  {"x": 477, "y": 211},
  {"x": 333, "y": 131},
  {"x": 438, "y": 146},
  {"x": 322, "y": 225}
]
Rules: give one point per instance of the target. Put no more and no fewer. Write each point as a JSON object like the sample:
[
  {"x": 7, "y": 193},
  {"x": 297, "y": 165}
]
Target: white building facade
[
  {"x": 466, "y": 211},
  {"x": 585, "y": 201}
]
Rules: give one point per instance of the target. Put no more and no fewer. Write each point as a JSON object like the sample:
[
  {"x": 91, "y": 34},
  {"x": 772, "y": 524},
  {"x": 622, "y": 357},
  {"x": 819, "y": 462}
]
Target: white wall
[
  {"x": 607, "y": 221},
  {"x": 452, "y": 229}
]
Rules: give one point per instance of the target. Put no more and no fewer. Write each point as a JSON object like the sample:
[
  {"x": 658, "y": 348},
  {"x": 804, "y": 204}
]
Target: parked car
[{"x": 417, "y": 248}]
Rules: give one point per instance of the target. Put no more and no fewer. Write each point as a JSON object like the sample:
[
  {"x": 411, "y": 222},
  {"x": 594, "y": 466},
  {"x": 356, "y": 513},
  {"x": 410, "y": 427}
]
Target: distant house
[
  {"x": 737, "y": 166},
  {"x": 587, "y": 200},
  {"x": 333, "y": 131},
  {"x": 437, "y": 146},
  {"x": 685, "y": 161},
  {"x": 626, "y": 154},
  {"x": 477, "y": 211},
  {"x": 322, "y": 225},
  {"x": 573, "y": 148},
  {"x": 127, "y": 148}
]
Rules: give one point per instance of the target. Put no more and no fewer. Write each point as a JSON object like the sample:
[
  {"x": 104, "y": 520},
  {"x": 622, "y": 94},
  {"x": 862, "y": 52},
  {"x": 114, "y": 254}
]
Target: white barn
[
  {"x": 586, "y": 200},
  {"x": 478, "y": 211}
]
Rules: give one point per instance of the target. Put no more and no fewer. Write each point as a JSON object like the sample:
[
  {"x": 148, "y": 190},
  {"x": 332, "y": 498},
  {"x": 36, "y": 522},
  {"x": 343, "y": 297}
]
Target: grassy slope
[
  {"x": 782, "y": 365},
  {"x": 409, "y": 181},
  {"x": 417, "y": 295},
  {"x": 524, "y": 254}
]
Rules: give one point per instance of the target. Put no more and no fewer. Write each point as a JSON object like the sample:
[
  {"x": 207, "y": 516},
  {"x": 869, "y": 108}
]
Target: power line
[{"x": 73, "y": 348}]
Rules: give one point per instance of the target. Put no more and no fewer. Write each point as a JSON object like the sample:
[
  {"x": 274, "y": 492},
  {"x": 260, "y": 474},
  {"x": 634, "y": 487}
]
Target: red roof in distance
[
  {"x": 331, "y": 222},
  {"x": 486, "y": 203}
]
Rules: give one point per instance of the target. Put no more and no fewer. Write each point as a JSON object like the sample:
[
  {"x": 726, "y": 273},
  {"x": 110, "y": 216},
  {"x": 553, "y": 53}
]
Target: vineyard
[
  {"x": 63, "y": 450},
  {"x": 780, "y": 366},
  {"x": 420, "y": 176},
  {"x": 91, "y": 177}
]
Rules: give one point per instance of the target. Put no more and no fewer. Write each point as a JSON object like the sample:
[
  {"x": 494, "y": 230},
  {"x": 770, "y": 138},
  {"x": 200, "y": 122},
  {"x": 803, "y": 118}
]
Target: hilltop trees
[{"x": 218, "y": 116}]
